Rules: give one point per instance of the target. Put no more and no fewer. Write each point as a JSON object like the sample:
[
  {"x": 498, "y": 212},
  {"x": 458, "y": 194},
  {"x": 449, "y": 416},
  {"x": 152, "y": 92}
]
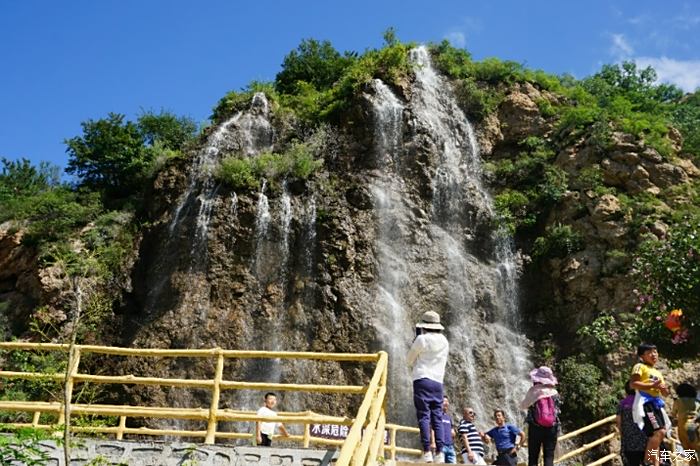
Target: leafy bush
[
  {"x": 247, "y": 172},
  {"x": 234, "y": 101},
  {"x": 607, "y": 334},
  {"x": 553, "y": 186},
  {"x": 686, "y": 117},
  {"x": 31, "y": 389},
  {"x": 51, "y": 215},
  {"x": 546, "y": 108},
  {"x": 577, "y": 378},
  {"x": 237, "y": 173},
  {"x": 23, "y": 447},
  {"x": 513, "y": 209},
  {"x": 452, "y": 61},
  {"x": 495, "y": 71},
  {"x": 476, "y": 101},
  {"x": 668, "y": 272},
  {"x": 558, "y": 241}
]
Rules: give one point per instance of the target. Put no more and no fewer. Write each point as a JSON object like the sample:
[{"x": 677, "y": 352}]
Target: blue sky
[{"x": 65, "y": 62}]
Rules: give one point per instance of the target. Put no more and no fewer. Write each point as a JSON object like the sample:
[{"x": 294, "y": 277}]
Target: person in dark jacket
[{"x": 632, "y": 439}]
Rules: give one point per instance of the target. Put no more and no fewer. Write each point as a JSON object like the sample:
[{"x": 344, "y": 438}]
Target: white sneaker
[
  {"x": 439, "y": 458},
  {"x": 427, "y": 457}
]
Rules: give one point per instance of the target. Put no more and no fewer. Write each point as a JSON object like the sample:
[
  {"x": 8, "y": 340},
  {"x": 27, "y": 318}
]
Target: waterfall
[
  {"x": 392, "y": 216},
  {"x": 441, "y": 250},
  {"x": 286, "y": 222}
]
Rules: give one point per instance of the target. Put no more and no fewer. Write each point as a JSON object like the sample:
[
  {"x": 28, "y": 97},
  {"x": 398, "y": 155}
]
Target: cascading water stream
[
  {"x": 479, "y": 290},
  {"x": 436, "y": 107},
  {"x": 247, "y": 133},
  {"x": 394, "y": 320}
]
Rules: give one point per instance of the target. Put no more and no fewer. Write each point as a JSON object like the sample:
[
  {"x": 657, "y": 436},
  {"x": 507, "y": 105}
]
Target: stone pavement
[{"x": 131, "y": 453}]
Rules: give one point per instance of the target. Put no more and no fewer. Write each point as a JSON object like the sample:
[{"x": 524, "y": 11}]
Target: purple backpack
[{"x": 544, "y": 412}]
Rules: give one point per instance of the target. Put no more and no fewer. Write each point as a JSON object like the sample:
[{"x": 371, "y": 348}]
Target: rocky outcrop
[
  {"x": 20, "y": 284},
  {"x": 519, "y": 114}
]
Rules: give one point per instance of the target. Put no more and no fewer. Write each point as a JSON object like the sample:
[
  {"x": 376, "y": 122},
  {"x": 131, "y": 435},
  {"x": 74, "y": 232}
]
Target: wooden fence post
[
  {"x": 122, "y": 426},
  {"x": 215, "y": 395},
  {"x": 74, "y": 362},
  {"x": 307, "y": 435}
]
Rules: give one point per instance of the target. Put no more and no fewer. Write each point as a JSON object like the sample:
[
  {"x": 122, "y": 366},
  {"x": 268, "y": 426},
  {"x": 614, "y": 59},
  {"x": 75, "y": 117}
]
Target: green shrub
[
  {"x": 546, "y": 108},
  {"x": 19, "y": 178},
  {"x": 553, "y": 186},
  {"x": 237, "y": 173},
  {"x": 686, "y": 117},
  {"x": 476, "y": 101},
  {"x": 606, "y": 333},
  {"x": 247, "y": 172},
  {"x": 513, "y": 209},
  {"x": 451, "y": 61},
  {"x": 495, "y": 71},
  {"x": 22, "y": 446},
  {"x": 236, "y": 101},
  {"x": 668, "y": 272},
  {"x": 52, "y": 215},
  {"x": 583, "y": 388},
  {"x": 559, "y": 241}
]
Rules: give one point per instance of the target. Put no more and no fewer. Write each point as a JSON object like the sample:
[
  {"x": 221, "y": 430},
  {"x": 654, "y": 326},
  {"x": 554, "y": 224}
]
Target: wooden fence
[{"x": 363, "y": 444}]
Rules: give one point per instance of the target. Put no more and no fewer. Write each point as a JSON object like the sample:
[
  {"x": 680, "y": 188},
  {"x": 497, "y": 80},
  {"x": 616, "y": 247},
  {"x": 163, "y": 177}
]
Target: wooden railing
[
  {"x": 358, "y": 449},
  {"x": 364, "y": 444},
  {"x": 588, "y": 446},
  {"x": 606, "y": 438}
]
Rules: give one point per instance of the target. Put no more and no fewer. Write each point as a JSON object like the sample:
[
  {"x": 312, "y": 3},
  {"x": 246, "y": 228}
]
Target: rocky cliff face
[
  {"x": 562, "y": 294},
  {"x": 399, "y": 220},
  {"x": 397, "y": 223}
]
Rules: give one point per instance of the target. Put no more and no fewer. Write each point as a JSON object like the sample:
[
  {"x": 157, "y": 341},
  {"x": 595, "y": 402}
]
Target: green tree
[
  {"x": 21, "y": 178},
  {"x": 110, "y": 156},
  {"x": 314, "y": 62},
  {"x": 167, "y": 129}
]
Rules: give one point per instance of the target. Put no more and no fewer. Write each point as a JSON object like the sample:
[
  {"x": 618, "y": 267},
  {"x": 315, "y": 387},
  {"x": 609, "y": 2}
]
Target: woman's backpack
[{"x": 544, "y": 412}]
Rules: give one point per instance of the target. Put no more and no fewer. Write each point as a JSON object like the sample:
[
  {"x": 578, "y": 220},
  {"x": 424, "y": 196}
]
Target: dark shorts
[
  {"x": 653, "y": 419},
  {"x": 506, "y": 458},
  {"x": 266, "y": 441}
]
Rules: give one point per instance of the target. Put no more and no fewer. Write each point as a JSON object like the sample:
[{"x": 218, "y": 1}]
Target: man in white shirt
[
  {"x": 265, "y": 430},
  {"x": 427, "y": 359}
]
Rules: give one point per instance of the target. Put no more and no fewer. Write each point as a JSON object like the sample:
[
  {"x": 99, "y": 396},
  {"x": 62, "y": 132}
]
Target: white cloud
[
  {"x": 457, "y": 39},
  {"x": 467, "y": 25},
  {"x": 620, "y": 47},
  {"x": 684, "y": 74}
]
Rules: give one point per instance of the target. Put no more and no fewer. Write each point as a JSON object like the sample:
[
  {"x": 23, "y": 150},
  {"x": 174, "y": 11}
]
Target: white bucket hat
[{"x": 431, "y": 320}]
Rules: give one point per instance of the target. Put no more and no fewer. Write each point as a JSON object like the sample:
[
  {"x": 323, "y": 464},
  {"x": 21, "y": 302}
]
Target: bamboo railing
[
  {"x": 606, "y": 438},
  {"x": 357, "y": 449},
  {"x": 364, "y": 445},
  {"x": 588, "y": 446}
]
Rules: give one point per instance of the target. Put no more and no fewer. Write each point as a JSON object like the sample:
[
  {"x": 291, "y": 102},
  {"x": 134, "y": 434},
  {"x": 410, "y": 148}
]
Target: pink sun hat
[{"x": 543, "y": 375}]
